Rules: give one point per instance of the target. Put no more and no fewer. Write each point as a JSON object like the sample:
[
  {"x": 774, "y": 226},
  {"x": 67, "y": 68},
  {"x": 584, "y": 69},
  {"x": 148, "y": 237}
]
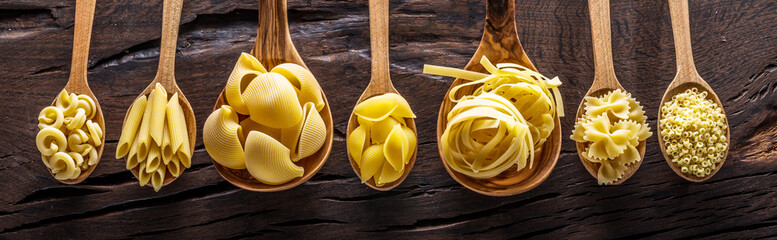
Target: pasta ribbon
[
  {"x": 382, "y": 140},
  {"x": 611, "y": 128},
  {"x": 268, "y": 160},
  {"x": 220, "y": 136}
]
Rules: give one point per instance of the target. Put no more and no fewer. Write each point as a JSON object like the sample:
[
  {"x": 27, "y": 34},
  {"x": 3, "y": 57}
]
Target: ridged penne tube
[
  {"x": 184, "y": 154},
  {"x": 158, "y": 178},
  {"x": 174, "y": 166},
  {"x": 143, "y": 135},
  {"x": 158, "y": 105},
  {"x": 220, "y": 136},
  {"x": 130, "y": 128},
  {"x": 268, "y": 160},
  {"x": 132, "y": 156},
  {"x": 166, "y": 148},
  {"x": 154, "y": 159},
  {"x": 313, "y": 134},
  {"x": 372, "y": 161},
  {"x": 356, "y": 143},
  {"x": 246, "y": 69},
  {"x": 50, "y": 140},
  {"x": 64, "y": 165},
  {"x": 272, "y": 101},
  {"x": 388, "y": 174},
  {"x": 143, "y": 176},
  {"x": 51, "y": 117},
  {"x": 177, "y": 124},
  {"x": 395, "y": 148},
  {"x": 304, "y": 82}
]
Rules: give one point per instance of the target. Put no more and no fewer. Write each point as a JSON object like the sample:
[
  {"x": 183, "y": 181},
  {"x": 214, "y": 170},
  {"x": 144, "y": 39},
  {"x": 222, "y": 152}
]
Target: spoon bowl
[
  {"x": 380, "y": 83},
  {"x": 500, "y": 44},
  {"x": 273, "y": 47},
  {"x": 77, "y": 82},
  {"x": 604, "y": 81}
]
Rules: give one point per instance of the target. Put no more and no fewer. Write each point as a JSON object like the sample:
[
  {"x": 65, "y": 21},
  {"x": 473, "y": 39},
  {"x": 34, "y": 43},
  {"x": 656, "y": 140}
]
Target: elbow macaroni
[
  {"x": 281, "y": 121},
  {"x": 693, "y": 129},
  {"x": 611, "y": 128},
  {"x": 154, "y": 137},
  {"x": 68, "y": 139}
]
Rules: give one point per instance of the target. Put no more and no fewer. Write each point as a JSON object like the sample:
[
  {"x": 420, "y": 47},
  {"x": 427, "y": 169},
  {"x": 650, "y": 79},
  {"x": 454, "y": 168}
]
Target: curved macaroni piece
[
  {"x": 51, "y": 117},
  {"x": 95, "y": 133},
  {"x": 67, "y": 102},
  {"x": 220, "y": 136},
  {"x": 130, "y": 128},
  {"x": 77, "y": 141},
  {"x": 372, "y": 161},
  {"x": 270, "y": 94},
  {"x": 313, "y": 134},
  {"x": 50, "y": 140},
  {"x": 304, "y": 83},
  {"x": 158, "y": 105},
  {"x": 246, "y": 69},
  {"x": 87, "y": 104},
  {"x": 76, "y": 121},
  {"x": 396, "y": 148},
  {"x": 268, "y": 160},
  {"x": 356, "y": 143},
  {"x": 63, "y": 166}
]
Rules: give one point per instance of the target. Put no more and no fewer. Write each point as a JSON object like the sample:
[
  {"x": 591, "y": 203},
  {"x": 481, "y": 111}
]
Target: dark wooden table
[{"x": 735, "y": 47}]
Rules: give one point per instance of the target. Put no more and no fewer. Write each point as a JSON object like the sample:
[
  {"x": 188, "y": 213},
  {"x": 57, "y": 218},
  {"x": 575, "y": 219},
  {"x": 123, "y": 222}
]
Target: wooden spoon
[
  {"x": 500, "y": 44},
  {"x": 77, "y": 82},
  {"x": 380, "y": 82},
  {"x": 165, "y": 75},
  {"x": 604, "y": 79},
  {"x": 687, "y": 77},
  {"x": 273, "y": 46}
]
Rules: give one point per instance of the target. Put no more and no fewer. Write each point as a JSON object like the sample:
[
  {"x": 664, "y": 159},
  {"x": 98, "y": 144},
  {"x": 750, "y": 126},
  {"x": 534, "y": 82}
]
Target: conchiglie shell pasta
[
  {"x": 248, "y": 125},
  {"x": 268, "y": 160},
  {"x": 304, "y": 82},
  {"x": 356, "y": 142},
  {"x": 395, "y": 148},
  {"x": 220, "y": 136},
  {"x": 246, "y": 69},
  {"x": 313, "y": 133},
  {"x": 381, "y": 107},
  {"x": 372, "y": 160},
  {"x": 388, "y": 174},
  {"x": 272, "y": 101}
]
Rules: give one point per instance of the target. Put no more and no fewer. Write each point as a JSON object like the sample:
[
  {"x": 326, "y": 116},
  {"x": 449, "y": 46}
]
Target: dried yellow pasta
[
  {"x": 248, "y": 125},
  {"x": 220, "y": 136},
  {"x": 268, "y": 160},
  {"x": 50, "y": 140},
  {"x": 144, "y": 132},
  {"x": 610, "y": 129},
  {"x": 304, "y": 83},
  {"x": 158, "y": 104},
  {"x": 272, "y": 101},
  {"x": 246, "y": 69},
  {"x": 382, "y": 138},
  {"x": 51, "y": 117},
  {"x": 158, "y": 178},
  {"x": 130, "y": 128},
  {"x": 313, "y": 134}
]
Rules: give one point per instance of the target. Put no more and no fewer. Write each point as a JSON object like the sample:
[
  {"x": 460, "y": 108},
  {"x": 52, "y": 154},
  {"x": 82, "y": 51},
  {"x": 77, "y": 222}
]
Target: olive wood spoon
[
  {"x": 380, "y": 83},
  {"x": 165, "y": 75},
  {"x": 604, "y": 80},
  {"x": 77, "y": 82},
  {"x": 273, "y": 47},
  {"x": 500, "y": 44},
  {"x": 687, "y": 77}
]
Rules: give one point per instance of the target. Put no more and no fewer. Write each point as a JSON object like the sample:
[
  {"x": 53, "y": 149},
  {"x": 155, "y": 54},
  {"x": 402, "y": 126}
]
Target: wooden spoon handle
[
  {"x": 379, "y": 46},
  {"x": 273, "y": 44},
  {"x": 500, "y": 16},
  {"x": 604, "y": 72},
  {"x": 81, "y": 38},
  {"x": 681, "y": 31},
  {"x": 171, "y": 17}
]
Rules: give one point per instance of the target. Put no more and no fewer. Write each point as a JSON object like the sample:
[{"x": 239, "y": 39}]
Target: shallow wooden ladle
[
  {"x": 165, "y": 75},
  {"x": 687, "y": 77},
  {"x": 500, "y": 44},
  {"x": 380, "y": 83},
  {"x": 273, "y": 46},
  {"x": 77, "y": 82},
  {"x": 604, "y": 80}
]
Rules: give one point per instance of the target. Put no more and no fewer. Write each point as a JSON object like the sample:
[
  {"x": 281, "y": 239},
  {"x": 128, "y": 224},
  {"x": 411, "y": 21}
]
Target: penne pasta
[
  {"x": 158, "y": 105},
  {"x": 130, "y": 128}
]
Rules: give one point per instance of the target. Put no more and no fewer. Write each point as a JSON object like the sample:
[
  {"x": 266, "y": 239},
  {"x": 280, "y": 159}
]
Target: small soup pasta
[
  {"x": 694, "y": 129},
  {"x": 611, "y": 129},
  {"x": 68, "y": 139},
  {"x": 271, "y": 121}
]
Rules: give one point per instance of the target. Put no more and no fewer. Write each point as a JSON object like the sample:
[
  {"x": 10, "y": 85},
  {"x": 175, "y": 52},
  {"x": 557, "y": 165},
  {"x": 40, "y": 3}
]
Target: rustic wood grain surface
[{"x": 735, "y": 48}]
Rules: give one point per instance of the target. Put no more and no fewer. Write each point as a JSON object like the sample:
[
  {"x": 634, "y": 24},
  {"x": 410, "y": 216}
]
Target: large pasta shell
[
  {"x": 246, "y": 69},
  {"x": 395, "y": 148},
  {"x": 268, "y": 160},
  {"x": 313, "y": 134},
  {"x": 388, "y": 175},
  {"x": 304, "y": 82},
  {"x": 356, "y": 142},
  {"x": 372, "y": 160},
  {"x": 220, "y": 136},
  {"x": 272, "y": 101}
]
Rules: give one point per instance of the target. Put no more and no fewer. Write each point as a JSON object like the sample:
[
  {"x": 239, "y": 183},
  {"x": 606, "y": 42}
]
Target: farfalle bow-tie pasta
[
  {"x": 155, "y": 138},
  {"x": 611, "y": 128},
  {"x": 503, "y": 123},
  {"x": 382, "y": 144},
  {"x": 68, "y": 138},
  {"x": 272, "y": 121}
]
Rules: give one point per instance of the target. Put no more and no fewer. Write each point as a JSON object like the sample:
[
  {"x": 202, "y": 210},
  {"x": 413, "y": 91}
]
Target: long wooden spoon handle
[
  {"x": 681, "y": 31},
  {"x": 604, "y": 72},
  {"x": 500, "y": 16},
  {"x": 171, "y": 17},
  {"x": 273, "y": 44},
  {"x": 81, "y": 38},
  {"x": 379, "y": 45}
]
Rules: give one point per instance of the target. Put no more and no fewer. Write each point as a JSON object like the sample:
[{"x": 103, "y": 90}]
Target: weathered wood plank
[{"x": 735, "y": 48}]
